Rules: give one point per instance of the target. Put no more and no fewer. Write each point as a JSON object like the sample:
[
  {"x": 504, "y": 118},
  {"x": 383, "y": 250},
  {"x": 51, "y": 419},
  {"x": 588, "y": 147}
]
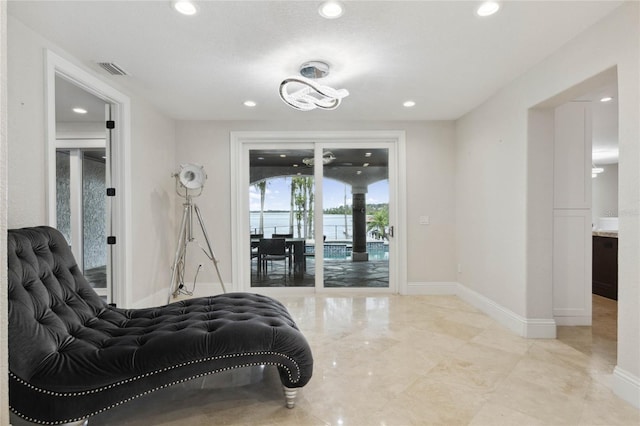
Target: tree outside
[{"x": 379, "y": 223}]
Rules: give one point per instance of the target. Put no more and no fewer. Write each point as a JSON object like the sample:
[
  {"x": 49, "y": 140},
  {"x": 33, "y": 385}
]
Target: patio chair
[{"x": 273, "y": 249}]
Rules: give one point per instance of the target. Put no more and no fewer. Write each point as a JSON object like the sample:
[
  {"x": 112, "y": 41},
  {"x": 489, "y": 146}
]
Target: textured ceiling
[{"x": 203, "y": 67}]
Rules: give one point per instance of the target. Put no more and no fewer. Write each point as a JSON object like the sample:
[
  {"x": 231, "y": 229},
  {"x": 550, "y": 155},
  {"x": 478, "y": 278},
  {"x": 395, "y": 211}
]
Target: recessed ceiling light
[
  {"x": 365, "y": 165},
  {"x": 409, "y": 104},
  {"x": 79, "y": 110},
  {"x": 283, "y": 155},
  {"x": 488, "y": 8},
  {"x": 185, "y": 7},
  {"x": 359, "y": 172},
  {"x": 295, "y": 165},
  {"x": 367, "y": 154},
  {"x": 250, "y": 104},
  {"x": 331, "y": 10},
  {"x": 260, "y": 158},
  {"x": 606, "y": 99}
]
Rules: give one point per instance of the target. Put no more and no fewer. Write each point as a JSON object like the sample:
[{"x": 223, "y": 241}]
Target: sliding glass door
[
  {"x": 356, "y": 217},
  {"x": 319, "y": 215}
]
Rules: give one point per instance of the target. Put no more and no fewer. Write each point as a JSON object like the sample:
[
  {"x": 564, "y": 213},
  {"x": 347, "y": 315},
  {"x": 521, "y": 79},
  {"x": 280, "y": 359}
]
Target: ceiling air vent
[{"x": 112, "y": 68}]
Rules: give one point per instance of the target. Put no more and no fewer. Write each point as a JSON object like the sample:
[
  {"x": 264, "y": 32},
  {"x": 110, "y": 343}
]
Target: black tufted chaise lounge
[{"x": 72, "y": 356}]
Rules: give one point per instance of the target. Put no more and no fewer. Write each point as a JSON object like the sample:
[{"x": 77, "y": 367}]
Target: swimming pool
[{"x": 378, "y": 250}]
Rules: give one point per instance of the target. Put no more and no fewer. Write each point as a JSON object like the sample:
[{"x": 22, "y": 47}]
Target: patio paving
[{"x": 337, "y": 273}]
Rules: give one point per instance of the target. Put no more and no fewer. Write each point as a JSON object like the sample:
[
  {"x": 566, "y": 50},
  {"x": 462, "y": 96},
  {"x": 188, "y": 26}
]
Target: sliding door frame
[{"x": 239, "y": 143}]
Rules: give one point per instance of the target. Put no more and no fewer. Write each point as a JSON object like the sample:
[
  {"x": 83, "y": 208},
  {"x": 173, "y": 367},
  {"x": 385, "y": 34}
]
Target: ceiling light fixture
[
  {"x": 488, "y": 8},
  {"x": 331, "y": 10},
  {"x": 250, "y": 104},
  {"x": 79, "y": 110},
  {"x": 409, "y": 104},
  {"x": 304, "y": 94},
  {"x": 606, "y": 99},
  {"x": 185, "y": 7},
  {"x": 314, "y": 69},
  {"x": 327, "y": 158}
]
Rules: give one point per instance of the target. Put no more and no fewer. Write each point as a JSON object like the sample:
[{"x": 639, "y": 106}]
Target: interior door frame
[
  {"x": 121, "y": 264},
  {"x": 239, "y": 141}
]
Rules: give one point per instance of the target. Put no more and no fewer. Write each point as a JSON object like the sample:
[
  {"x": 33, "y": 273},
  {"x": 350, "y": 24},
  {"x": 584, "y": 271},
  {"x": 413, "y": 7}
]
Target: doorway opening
[
  {"x": 573, "y": 136},
  {"x": 88, "y": 173}
]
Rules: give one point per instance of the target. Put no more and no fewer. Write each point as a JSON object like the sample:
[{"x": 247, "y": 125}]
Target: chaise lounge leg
[{"x": 290, "y": 396}]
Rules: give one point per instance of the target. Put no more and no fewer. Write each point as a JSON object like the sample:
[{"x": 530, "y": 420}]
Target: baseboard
[
  {"x": 431, "y": 288},
  {"x": 531, "y": 328},
  {"x": 626, "y": 386},
  {"x": 160, "y": 297},
  {"x": 210, "y": 289},
  {"x": 572, "y": 320}
]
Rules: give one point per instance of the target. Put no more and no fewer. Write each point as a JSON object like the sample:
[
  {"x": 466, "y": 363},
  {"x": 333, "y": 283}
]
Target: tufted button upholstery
[{"x": 71, "y": 355}]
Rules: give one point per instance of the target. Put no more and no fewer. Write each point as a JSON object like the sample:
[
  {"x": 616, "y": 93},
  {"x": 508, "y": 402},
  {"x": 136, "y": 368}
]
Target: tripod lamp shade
[{"x": 192, "y": 176}]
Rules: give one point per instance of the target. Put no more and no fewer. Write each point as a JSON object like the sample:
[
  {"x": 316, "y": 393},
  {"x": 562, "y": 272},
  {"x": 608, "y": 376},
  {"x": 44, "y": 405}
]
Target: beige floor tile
[
  {"x": 492, "y": 414},
  {"x": 419, "y": 360},
  {"x": 538, "y": 401},
  {"x": 602, "y": 407}
]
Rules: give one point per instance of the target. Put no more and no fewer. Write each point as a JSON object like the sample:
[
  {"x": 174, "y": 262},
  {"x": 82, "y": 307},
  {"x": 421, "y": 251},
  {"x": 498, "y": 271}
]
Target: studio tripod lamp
[{"x": 189, "y": 179}]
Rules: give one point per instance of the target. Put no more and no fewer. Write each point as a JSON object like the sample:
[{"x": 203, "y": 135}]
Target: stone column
[{"x": 359, "y": 216}]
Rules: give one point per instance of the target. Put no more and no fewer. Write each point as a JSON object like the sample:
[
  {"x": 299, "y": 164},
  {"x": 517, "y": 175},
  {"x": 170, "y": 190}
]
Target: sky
[{"x": 279, "y": 192}]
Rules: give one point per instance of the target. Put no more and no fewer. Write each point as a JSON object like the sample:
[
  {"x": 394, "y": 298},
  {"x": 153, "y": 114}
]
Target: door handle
[{"x": 391, "y": 231}]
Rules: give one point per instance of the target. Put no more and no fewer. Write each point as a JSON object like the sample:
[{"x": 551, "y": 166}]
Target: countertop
[{"x": 610, "y": 234}]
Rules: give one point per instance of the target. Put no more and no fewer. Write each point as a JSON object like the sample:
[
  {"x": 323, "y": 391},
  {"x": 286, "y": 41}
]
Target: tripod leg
[
  {"x": 212, "y": 255},
  {"x": 180, "y": 251}
]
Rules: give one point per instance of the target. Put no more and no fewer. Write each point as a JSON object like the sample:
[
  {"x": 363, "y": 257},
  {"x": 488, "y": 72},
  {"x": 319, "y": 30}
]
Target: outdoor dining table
[{"x": 298, "y": 245}]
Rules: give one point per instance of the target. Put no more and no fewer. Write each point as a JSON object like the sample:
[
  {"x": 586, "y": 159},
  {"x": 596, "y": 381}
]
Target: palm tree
[
  {"x": 262, "y": 187},
  {"x": 302, "y": 190},
  {"x": 292, "y": 201},
  {"x": 379, "y": 223}
]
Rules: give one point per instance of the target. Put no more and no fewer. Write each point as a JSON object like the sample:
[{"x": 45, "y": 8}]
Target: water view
[{"x": 334, "y": 225}]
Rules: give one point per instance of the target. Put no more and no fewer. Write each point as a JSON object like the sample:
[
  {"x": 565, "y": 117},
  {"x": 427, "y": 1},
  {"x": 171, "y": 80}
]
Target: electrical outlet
[{"x": 423, "y": 220}]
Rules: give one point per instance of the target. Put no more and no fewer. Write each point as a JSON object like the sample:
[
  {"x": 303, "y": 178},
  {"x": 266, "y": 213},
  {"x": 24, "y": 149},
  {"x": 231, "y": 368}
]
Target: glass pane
[
  {"x": 356, "y": 217},
  {"x": 281, "y": 202},
  {"x": 93, "y": 217},
  {"x": 63, "y": 194}
]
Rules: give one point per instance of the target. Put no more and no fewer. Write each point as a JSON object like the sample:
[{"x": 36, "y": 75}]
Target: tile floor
[{"x": 425, "y": 360}]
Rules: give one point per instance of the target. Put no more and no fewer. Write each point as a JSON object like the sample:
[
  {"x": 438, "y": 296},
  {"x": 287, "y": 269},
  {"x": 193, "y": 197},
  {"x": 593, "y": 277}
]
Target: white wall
[
  {"x": 430, "y": 187},
  {"x": 152, "y": 157},
  {"x": 605, "y": 193},
  {"x": 501, "y": 180}
]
